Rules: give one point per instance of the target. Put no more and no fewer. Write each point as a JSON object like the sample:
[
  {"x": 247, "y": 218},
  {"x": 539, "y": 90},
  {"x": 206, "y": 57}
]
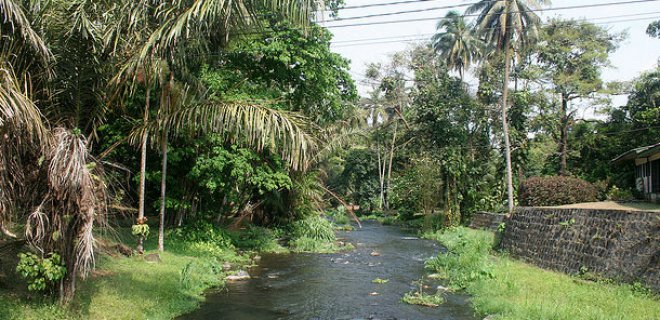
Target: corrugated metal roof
[{"x": 641, "y": 152}]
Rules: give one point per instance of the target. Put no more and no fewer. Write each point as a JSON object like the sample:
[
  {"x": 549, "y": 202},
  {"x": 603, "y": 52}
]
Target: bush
[
  {"x": 616, "y": 194},
  {"x": 555, "y": 191},
  {"x": 313, "y": 227},
  {"x": 466, "y": 259},
  {"x": 259, "y": 239},
  {"x": 40, "y": 273}
]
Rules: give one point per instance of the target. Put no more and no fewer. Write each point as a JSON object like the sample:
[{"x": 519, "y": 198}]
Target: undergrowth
[{"x": 511, "y": 290}]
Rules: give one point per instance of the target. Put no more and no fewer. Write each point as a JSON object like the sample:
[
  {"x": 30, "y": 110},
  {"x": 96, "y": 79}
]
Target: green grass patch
[
  {"x": 132, "y": 288},
  {"x": 423, "y": 299},
  {"x": 315, "y": 234},
  {"x": 510, "y": 289}
]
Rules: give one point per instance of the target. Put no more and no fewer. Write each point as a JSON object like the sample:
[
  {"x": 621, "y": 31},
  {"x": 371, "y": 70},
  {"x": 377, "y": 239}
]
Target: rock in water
[
  {"x": 240, "y": 275},
  {"x": 152, "y": 258},
  {"x": 375, "y": 254}
]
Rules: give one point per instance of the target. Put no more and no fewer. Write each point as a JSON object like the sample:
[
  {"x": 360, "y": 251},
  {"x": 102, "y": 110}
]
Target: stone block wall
[
  {"x": 486, "y": 220},
  {"x": 616, "y": 244}
]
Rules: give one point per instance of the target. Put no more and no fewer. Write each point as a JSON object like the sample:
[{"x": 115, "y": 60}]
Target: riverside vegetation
[
  {"x": 196, "y": 133},
  {"x": 510, "y": 289},
  {"x": 198, "y": 258}
]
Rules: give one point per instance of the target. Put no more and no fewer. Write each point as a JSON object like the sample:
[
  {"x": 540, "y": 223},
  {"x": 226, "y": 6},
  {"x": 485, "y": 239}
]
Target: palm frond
[
  {"x": 14, "y": 17},
  {"x": 254, "y": 126}
]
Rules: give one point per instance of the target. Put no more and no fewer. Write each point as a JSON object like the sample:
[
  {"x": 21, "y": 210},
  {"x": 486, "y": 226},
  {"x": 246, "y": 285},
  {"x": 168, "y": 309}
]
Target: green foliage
[
  {"x": 41, "y": 273},
  {"x": 360, "y": 178},
  {"x": 466, "y": 259},
  {"x": 338, "y": 216},
  {"x": 515, "y": 290},
  {"x": 653, "y": 30},
  {"x": 555, "y": 190},
  {"x": 567, "y": 224},
  {"x": 201, "y": 238},
  {"x": 616, "y": 194},
  {"x": 230, "y": 177},
  {"x": 313, "y": 227},
  {"x": 314, "y": 234},
  {"x": 416, "y": 189},
  {"x": 423, "y": 299},
  {"x": 290, "y": 67},
  {"x": 224, "y": 169},
  {"x": 306, "y": 244},
  {"x": 258, "y": 239},
  {"x": 380, "y": 281},
  {"x": 141, "y": 230}
]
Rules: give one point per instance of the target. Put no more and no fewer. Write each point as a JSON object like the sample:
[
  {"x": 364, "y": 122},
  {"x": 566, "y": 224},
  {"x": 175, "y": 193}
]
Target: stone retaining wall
[
  {"x": 486, "y": 220},
  {"x": 616, "y": 244}
]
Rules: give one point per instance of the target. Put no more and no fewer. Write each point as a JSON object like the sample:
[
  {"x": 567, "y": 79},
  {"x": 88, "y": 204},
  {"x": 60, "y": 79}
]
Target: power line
[
  {"x": 473, "y": 15},
  {"x": 431, "y": 34},
  {"x": 373, "y": 5},
  {"x": 402, "y": 12},
  {"x": 422, "y": 38}
]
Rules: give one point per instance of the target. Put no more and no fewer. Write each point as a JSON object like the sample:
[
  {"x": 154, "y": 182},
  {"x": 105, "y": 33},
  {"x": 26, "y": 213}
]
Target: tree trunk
[
  {"x": 389, "y": 170},
  {"x": 563, "y": 137},
  {"x": 381, "y": 178},
  {"x": 163, "y": 186},
  {"x": 143, "y": 169},
  {"x": 505, "y": 122}
]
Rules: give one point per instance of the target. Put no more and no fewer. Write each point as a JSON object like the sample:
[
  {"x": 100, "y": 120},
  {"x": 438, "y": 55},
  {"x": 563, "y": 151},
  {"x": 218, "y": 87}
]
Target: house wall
[{"x": 615, "y": 244}]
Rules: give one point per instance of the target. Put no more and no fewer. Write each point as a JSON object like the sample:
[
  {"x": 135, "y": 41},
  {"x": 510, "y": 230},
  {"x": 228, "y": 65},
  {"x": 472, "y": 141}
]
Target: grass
[
  {"x": 510, "y": 289},
  {"x": 132, "y": 288},
  {"x": 423, "y": 299}
]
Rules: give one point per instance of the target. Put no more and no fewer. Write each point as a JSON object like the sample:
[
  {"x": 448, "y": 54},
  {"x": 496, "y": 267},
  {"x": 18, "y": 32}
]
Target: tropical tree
[
  {"x": 54, "y": 182},
  {"x": 505, "y": 24},
  {"x": 456, "y": 42},
  {"x": 571, "y": 55},
  {"x": 179, "y": 30}
]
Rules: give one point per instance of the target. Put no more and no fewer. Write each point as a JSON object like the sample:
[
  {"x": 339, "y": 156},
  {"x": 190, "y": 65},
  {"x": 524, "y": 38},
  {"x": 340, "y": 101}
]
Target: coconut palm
[
  {"x": 456, "y": 42},
  {"x": 505, "y": 24},
  {"x": 171, "y": 29}
]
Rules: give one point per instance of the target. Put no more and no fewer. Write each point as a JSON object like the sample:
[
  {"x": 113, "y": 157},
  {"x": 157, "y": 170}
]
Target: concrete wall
[{"x": 615, "y": 244}]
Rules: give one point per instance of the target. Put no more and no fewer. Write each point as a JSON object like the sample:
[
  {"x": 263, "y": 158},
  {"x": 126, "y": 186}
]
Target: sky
[{"x": 637, "y": 53}]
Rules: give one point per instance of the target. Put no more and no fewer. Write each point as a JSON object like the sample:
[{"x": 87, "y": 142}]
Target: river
[{"x": 337, "y": 286}]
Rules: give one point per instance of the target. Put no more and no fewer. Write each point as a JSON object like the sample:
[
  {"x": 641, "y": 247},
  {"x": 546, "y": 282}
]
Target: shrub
[
  {"x": 616, "y": 194},
  {"x": 313, "y": 227},
  {"x": 40, "y": 273},
  {"x": 466, "y": 258},
  {"x": 258, "y": 239},
  {"x": 555, "y": 190}
]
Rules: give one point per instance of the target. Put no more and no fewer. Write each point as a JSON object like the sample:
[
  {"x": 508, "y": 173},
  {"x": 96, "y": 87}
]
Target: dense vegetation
[
  {"x": 514, "y": 290},
  {"x": 207, "y": 130}
]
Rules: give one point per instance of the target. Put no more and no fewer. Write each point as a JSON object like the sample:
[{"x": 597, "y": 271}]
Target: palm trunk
[
  {"x": 143, "y": 169},
  {"x": 505, "y": 122},
  {"x": 381, "y": 178},
  {"x": 163, "y": 186},
  {"x": 563, "y": 137},
  {"x": 389, "y": 170}
]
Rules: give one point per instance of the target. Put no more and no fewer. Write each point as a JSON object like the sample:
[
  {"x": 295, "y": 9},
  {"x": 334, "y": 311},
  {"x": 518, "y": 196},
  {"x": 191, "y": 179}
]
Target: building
[{"x": 647, "y": 161}]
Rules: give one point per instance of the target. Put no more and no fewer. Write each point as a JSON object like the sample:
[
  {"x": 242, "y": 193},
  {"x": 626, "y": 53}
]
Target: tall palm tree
[
  {"x": 173, "y": 26},
  {"x": 456, "y": 42},
  {"x": 505, "y": 24}
]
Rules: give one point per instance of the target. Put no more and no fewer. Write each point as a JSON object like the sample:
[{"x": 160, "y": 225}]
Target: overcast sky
[{"x": 639, "y": 52}]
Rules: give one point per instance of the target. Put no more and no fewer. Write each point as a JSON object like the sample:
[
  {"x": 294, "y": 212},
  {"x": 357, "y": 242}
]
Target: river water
[{"x": 337, "y": 286}]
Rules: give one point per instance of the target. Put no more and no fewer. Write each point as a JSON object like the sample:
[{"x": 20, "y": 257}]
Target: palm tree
[
  {"x": 456, "y": 42},
  {"x": 175, "y": 24},
  {"x": 503, "y": 23}
]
